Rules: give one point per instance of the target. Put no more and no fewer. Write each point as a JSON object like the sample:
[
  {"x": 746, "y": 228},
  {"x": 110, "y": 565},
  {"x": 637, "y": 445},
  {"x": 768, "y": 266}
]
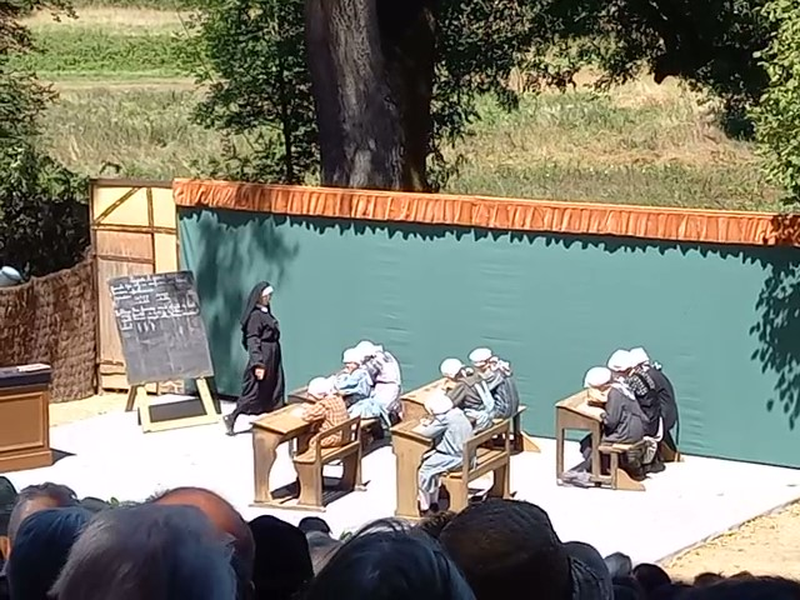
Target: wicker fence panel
[{"x": 52, "y": 320}]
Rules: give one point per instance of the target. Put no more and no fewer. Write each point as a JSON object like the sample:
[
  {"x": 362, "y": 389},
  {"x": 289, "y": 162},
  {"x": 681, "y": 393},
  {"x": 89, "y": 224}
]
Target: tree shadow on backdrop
[
  {"x": 221, "y": 277},
  {"x": 778, "y": 330}
]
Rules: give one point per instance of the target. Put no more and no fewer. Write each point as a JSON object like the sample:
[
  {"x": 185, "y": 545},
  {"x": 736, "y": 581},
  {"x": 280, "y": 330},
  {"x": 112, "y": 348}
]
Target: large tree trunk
[{"x": 371, "y": 64}]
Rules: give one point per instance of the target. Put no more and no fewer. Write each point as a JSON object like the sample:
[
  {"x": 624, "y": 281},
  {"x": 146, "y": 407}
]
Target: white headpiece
[
  {"x": 597, "y": 377},
  {"x": 639, "y": 356},
  {"x": 480, "y": 355},
  {"x": 267, "y": 291},
  {"x": 319, "y": 387},
  {"x": 620, "y": 361},
  {"x": 351, "y": 355},
  {"x": 451, "y": 367},
  {"x": 366, "y": 348},
  {"x": 438, "y": 403}
]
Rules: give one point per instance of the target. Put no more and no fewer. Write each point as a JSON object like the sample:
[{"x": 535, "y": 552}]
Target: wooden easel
[{"x": 138, "y": 397}]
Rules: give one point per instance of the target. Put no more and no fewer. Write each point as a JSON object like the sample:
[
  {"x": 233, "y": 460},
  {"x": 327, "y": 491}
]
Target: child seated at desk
[
  {"x": 499, "y": 381},
  {"x": 384, "y": 372},
  {"x": 353, "y": 384},
  {"x": 622, "y": 421},
  {"x": 326, "y": 409},
  {"x": 468, "y": 392},
  {"x": 450, "y": 429}
]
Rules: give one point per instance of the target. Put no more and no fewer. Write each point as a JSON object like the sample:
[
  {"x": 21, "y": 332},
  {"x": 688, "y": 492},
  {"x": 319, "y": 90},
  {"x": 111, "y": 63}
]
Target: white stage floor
[{"x": 686, "y": 504}]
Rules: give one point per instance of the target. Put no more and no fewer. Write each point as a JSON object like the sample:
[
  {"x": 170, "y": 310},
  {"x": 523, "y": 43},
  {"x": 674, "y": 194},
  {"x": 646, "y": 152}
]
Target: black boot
[{"x": 229, "y": 421}]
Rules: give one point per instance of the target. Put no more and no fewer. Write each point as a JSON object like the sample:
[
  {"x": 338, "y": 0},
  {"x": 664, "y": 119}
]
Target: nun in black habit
[{"x": 263, "y": 387}]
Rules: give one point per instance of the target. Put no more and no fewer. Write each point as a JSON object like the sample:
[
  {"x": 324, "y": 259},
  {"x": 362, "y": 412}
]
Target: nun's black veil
[{"x": 252, "y": 301}]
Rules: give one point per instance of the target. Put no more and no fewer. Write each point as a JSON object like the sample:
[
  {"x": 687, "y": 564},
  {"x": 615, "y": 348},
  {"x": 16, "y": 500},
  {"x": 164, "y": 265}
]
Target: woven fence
[{"x": 52, "y": 320}]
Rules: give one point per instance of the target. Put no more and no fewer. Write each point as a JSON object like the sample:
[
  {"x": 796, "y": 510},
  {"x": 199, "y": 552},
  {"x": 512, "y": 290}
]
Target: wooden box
[{"x": 25, "y": 418}]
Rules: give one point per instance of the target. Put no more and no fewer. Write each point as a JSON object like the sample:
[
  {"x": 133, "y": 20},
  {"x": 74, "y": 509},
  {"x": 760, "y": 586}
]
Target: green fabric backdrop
[{"x": 721, "y": 319}]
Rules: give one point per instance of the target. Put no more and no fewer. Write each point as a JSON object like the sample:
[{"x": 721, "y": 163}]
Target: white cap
[
  {"x": 480, "y": 355},
  {"x": 620, "y": 361},
  {"x": 319, "y": 387},
  {"x": 267, "y": 291},
  {"x": 451, "y": 367},
  {"x": 351, "y": 355},
  {"x": 639, "y": 356},
  {"x": 438, "y": 403},
  {"x": 366, "y": 349},
  {"x": 597, "y": 377}
]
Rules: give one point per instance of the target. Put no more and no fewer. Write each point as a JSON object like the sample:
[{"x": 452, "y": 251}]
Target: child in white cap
[
  {"x": 499, "y": 381},
  {"x": 622, "y": 421},
  {"x": 355, "y": 386},
  {"x": 449, "y": 429},
  {"x": 468, "y": 391},
  {"x": 384, "y": 371}
]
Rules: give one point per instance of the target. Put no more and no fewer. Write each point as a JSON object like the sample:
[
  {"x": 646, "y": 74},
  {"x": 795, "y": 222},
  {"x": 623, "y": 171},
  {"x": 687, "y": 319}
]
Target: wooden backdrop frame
[{"x": 134, "y": 231}]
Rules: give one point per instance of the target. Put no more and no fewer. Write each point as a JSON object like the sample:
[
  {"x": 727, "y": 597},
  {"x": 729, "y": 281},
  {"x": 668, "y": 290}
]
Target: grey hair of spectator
[
  {"x": 389, "y": 561},
  {"x": 149, "y": 551},
  {"x": 619, "y": 565},
  {"x": 39, "y": 497}
]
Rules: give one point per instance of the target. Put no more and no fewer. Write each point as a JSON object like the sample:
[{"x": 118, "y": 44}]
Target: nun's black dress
[{"x": 261, "y": 337}]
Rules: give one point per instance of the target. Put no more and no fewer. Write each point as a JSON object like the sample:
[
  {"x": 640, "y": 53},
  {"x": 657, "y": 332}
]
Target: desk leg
[
  {"x": 596, "y": 464},
  {"x": 559, "y": 447},
  {"x": 265, "y": 450},
  {"x": 407, "y": 481}
]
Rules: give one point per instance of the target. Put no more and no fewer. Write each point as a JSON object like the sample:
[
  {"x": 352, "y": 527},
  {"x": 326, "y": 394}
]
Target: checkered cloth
[{"x": 330, "y": 412}]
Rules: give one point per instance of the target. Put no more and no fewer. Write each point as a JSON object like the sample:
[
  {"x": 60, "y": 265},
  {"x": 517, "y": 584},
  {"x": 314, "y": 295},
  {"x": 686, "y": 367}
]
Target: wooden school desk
[
  {"x": 269, "y": 432},
  {"x": 408, "y": 447}
]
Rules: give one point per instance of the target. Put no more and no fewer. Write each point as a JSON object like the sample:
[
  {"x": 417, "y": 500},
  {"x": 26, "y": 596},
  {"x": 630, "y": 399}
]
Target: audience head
[
  {"x": 434, "y": 524},
  {"x": 598, "y": 378},
  {"x": 638, "y": 357},
  {"x": 754, "y": 588},
  {"x": 627, "y": 588},
  {"x": 504, "y": 546},
  {"x": 35, "y": 498},
  {"x": 651, "y": 577},
  {"x": 148, "y": 551},
  {"x": 706, "y": 579},
  {"x": 480, "y": 358},
  {"x": 620, "y": 362},
  {"x": 41, "y": 548},
  {"x": 438, "y": 403},
  {"x": 321, "y": 545},
  {"x": 314, "y": 524},
  {"x": 590, "y": 575},
  {"x": 283, "y": 562},
  {"x": 619, "y": 565},
  {"x": 352, "y": 359},
  {"x": 319, "y": 388},
  {"x": 229, "y": 524},
  {"x": 451, "y": 368},
  {"x": 8, "y": 498},
  {"x": 387, "y": 561}
]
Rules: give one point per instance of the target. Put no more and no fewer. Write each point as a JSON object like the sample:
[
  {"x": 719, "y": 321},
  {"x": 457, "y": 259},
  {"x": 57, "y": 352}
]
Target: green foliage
[
  {"x": 259, "y": 89},
  {"x": 92, "y": 51},
  {"x": 710, "y": 44},
  {"x": 778, "y": 116},
  {"x": 44, "y": 224},
  {"x": 45, "y": 220}
]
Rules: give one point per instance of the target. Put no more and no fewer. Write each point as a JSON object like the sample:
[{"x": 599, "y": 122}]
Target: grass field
[{"x": 126, "y": 100}]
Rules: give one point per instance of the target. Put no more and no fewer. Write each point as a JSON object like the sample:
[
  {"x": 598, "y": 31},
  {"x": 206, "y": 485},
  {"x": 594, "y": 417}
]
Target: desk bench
[
  {"x": 487, "y": 460},
  {"x": 617, "y": 478},
  {"x": 310, "y": 462}
]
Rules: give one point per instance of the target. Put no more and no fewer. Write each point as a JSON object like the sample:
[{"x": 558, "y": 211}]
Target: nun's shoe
[{"x": 229, "y": 421}]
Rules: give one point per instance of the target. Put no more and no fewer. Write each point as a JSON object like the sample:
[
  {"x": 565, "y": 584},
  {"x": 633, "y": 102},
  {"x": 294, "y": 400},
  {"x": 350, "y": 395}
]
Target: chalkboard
[{"x": 162, "y": 333}]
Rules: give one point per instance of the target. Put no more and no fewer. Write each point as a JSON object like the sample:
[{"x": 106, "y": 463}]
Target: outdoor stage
[{"x": 108, "y": 456}]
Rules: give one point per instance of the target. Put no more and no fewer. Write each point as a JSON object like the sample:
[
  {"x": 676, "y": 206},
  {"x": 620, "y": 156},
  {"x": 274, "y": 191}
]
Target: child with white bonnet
[{"x": 449, "y": 429}]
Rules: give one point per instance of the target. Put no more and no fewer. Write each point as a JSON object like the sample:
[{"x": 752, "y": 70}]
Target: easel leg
[
  {"x": 205, "y": 397},
  {"x": 129, "y": 405},
  {"x": 142, "y": 401}
]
